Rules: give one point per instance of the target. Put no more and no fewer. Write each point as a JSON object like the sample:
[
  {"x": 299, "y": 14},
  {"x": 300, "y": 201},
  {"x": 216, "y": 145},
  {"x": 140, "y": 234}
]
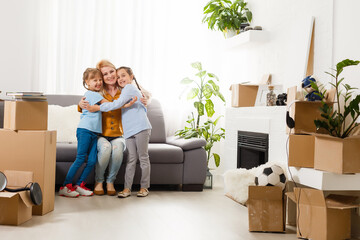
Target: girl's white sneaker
[{"x": 68, "y": 191}]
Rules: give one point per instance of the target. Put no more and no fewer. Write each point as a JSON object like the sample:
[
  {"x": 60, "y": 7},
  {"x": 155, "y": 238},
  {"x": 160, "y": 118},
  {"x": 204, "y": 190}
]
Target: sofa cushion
[
  {"x": 158, "y": 153},
  {"x": 63, "y": 100},
  {"x": 165, "y": 153},
  {"x": 65, "y": 152},
  {"x": 156, "y": 118},
  {"x": 66, "y": 127}
]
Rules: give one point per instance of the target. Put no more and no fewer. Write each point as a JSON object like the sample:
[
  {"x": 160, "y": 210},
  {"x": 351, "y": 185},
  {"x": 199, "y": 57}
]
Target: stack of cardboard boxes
[
  {"x": 318, "y": 214},
  {"x": 26, "y": 145}
]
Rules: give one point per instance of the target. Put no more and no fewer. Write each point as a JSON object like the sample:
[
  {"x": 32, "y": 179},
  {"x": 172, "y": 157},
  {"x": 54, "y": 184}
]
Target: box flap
[
  {"x": 25, "y": 197},
  {"x": 335, "y": 201},
  {"x": 17, "y": 179},
  {"x": 319, "y": 135},
  {"x": 310, "y": 196},
  {"x": 291, "y": 196},
  {"x": 330, "y": 95},
  {"x": 7, "y": 194},
  {"x": 265, "y": 193}
]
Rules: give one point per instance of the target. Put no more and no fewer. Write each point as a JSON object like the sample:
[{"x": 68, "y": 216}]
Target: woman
[{"x": 111, "y": 144}]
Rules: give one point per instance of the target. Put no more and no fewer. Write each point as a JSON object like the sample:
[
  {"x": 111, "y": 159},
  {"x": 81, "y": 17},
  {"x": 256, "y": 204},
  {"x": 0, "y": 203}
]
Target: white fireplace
[{"x": 268, "y": 120}]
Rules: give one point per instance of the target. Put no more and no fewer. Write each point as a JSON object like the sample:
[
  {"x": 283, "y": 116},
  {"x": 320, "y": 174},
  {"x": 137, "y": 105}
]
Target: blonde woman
[{"x": 111, "y": 144}]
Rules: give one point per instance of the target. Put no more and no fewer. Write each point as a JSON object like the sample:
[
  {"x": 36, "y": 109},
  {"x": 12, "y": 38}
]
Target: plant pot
[
  {"x": 231, "y": 33},
  {"x": 208, "y": 180}
]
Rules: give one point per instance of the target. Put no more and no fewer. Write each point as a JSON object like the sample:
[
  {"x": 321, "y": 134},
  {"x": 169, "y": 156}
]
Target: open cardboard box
[
  {"x": 301, "y": 150},
  {"x": 322, "y": 217},
  {"x": 243, "y": 95},
  {"x": 33, "y": 151},
  {"x": 266, "y": 209},
  {"x": 305, "y": 112},
  {"x": 337, "y": 155},
  {"x": 25, "y": 115},
  {"x": 16, "y": 207}
]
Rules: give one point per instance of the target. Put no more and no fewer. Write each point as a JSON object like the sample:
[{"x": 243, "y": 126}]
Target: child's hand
[
  {"x": 93, "y": 108},
  {"x": 83, "y": 103},
  {"x": 143, "y": 101},
  {"x": 129, "y": 104}
]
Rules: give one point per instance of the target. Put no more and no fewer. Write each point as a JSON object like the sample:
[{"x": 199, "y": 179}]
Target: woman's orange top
[{"x": 111, "y": 121}]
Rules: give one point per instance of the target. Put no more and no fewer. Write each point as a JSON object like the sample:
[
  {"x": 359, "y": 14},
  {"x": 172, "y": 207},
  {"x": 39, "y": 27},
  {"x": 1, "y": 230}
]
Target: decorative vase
[{"x": 208, "y": 180}]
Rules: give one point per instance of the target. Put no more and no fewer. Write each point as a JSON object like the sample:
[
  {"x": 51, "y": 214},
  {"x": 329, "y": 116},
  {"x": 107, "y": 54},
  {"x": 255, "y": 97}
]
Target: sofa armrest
[{"x": 186, "y": 144}]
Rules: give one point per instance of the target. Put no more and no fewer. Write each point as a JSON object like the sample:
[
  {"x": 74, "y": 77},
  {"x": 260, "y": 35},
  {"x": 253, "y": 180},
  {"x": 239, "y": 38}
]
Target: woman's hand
[
  {"x": 83, "y": 104},
  {"x": 129, "y": 104}
]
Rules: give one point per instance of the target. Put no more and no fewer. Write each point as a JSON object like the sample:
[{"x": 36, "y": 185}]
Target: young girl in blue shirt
[{"x": 87, "y": 135}]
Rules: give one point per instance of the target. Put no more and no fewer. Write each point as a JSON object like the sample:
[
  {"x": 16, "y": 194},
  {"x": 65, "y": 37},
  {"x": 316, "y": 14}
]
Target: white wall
[
  {"x": 16, "y": 45},
  {"x": 347, "y": 37}
]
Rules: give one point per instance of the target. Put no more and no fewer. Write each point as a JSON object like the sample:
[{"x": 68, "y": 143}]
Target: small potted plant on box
[
  {"x": 227, "y": 16},
  {"x": 339, "y": 120}
]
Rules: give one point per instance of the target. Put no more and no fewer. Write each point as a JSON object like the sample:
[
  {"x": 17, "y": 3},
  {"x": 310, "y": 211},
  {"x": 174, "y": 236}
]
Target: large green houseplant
[
  {"x": 203, "y": 90},
  {"x": 340, "y": 120},
  {"x": 225, "y": 15}
]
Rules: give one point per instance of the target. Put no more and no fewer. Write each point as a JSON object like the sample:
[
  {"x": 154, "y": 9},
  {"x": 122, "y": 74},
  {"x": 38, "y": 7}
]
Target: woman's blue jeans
[
  {"x": 86, "y": 146},
  {"x": 110, "y": 154}
]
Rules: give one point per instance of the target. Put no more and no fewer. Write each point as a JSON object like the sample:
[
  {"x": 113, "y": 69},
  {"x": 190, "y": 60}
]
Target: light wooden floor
[{"x": 207, "y": 215}]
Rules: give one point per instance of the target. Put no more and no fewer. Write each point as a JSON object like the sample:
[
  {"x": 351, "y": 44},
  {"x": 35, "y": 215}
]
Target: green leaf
[
  {"x": 199, "y": 107},
  {"x": 209, "y": 106},
  {"x": 215, "y": 87},
  {"x": 345, "y": 63},
  {"x": 186, "y": 81},
  {"x": 201, "y": 74},
  {"x": 207, "y": 91},
  {"x": 216, "y": 121},
  {"x": 193, "y": 93},
  {"x": 213, "y": 76},
  {"x": 208, "y": 146},
  {"x": 197, "y": 65},
  {"x": 217, "y": 159},
  {"x": 221, "y": 96}
]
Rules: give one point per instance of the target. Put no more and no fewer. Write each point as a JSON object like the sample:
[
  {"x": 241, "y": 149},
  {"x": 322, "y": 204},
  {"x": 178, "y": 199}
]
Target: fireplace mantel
[{"x": 270, "y": 120}]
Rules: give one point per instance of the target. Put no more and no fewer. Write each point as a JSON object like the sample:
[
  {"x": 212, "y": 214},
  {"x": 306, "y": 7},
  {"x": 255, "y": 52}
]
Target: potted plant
[
  {"x": 339, "y": 153},
  {"x": 203, "y": 91},
  {"x": 227, "y": 16}
]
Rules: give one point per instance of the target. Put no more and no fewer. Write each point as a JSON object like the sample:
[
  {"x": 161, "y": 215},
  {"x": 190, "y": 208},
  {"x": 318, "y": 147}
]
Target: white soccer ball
[{"x": 271, "y": 176}]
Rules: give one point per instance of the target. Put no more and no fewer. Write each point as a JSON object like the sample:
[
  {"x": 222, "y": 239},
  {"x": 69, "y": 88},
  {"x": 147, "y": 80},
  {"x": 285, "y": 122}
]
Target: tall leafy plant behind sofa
[
  {"x": 173, "y": 161},
  {"x": 204, "y": 90}
]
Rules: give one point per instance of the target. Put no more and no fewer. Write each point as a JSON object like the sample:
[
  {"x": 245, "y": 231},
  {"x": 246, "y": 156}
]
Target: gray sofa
[{"x": 173, "y": 161}]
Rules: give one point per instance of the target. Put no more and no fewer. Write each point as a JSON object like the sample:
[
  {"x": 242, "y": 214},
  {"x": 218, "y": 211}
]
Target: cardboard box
[
  {"x": 304, "y": 113},
  {"x": 16, "y": 208},
  {"x": 243, "y": 95},
  {"x": 266, "y": 209},
  {"x": 301, "y": 150},
  {"x": 337, "y": 155},
  {"x": 25, "y": 115},
  {"x": 321, "y": 217},
  {"x": 33, "y": 151}
]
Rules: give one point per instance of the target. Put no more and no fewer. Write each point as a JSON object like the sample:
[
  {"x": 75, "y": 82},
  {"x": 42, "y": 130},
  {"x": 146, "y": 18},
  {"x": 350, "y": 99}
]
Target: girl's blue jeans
[{"x": 87, "y": 146}]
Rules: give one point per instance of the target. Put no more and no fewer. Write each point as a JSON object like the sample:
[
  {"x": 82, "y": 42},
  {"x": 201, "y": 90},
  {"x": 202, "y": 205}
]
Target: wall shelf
[{"x": 245, "y": 38}]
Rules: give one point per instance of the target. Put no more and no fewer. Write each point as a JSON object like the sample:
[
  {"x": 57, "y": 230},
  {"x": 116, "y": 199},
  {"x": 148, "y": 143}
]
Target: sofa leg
[{"x": 192, "y": 187}]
